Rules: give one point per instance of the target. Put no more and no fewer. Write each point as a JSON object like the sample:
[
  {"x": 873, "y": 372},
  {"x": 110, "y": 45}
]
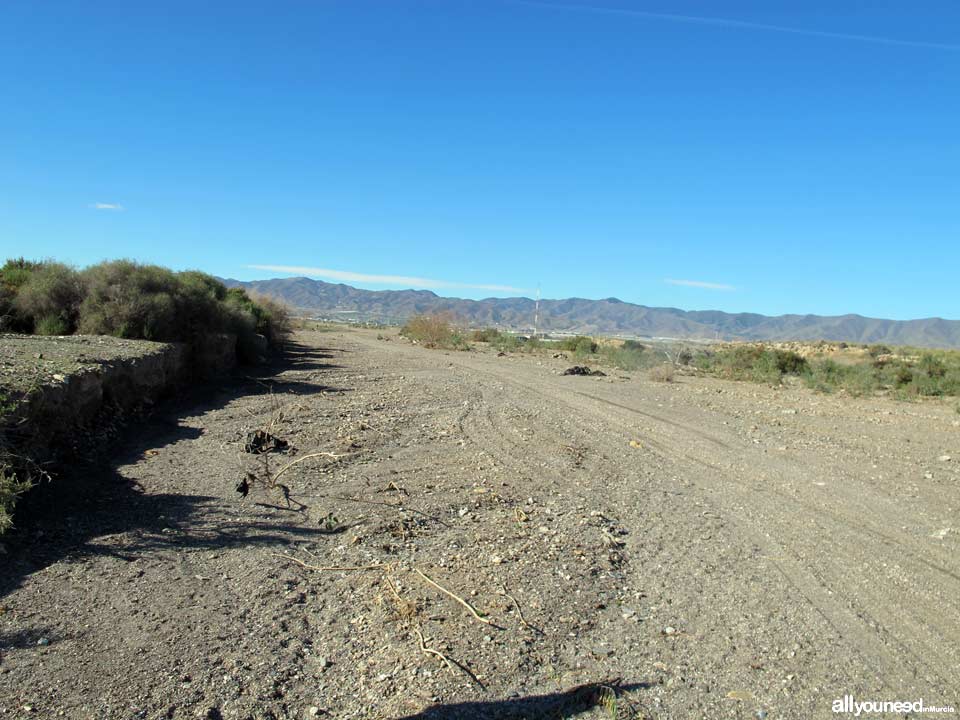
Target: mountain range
[{"x": 609, "y": 316}]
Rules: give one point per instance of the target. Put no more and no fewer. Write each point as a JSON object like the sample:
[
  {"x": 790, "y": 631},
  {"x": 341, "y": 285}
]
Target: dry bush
[
  {"x": 276, "y": 320},
  {"x": 433, "y": 331},
  {"x": 661, "y": 373},
  {"x": 11, "y": 488}
]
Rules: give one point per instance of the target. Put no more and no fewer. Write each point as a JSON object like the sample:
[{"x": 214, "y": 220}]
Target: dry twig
[
  {"x": 447, "y": 661},
  {"x": 300, "y": 459},
  {"x": 473, "y": 611},
  {"x": 520, "y": 612}
]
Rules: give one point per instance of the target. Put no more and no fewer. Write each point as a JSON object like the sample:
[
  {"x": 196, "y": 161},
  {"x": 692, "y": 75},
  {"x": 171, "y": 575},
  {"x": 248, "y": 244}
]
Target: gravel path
[{"x": 724, "y": 550}]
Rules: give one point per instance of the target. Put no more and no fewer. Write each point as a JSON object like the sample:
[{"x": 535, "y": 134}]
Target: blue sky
[{"x": 745, "y": 156}]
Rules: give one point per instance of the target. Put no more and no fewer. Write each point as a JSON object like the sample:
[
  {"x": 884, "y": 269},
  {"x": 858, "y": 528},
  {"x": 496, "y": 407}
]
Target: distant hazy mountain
[{"x": 608, "y": 317}]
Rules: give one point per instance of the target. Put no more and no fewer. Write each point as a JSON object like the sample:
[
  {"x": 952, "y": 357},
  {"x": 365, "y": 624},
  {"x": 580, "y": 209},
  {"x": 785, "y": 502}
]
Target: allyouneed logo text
[{"x": 847, "y": 704}]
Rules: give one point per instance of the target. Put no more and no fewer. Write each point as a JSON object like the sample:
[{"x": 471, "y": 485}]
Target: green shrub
[
  {"x": 626, "y": 357},
  {"x": 752, "y": 362},
  {"x": 579, "y": 344},
  {"x": 534, "y": 344},
  {"x": 49, "y": 298},
  {"x": 932, "y": 366},
  {"x": 129, "y": 300},
  {"x": 16, "y": 271},
  {"x": 507, "y": 343},
  {"x": 789, "y": 362},
  {"x": 51, "y": 325},
  {"x": 13, "y": 275},
  {"x": 935, "y": 373}
]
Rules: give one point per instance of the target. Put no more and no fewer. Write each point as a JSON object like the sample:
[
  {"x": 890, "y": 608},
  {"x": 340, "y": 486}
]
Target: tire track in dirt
[{"x": 870, "y": 617}]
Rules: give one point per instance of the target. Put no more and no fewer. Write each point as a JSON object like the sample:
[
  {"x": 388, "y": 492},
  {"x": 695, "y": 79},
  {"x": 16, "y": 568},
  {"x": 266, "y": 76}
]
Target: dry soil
[{"x": 723, "y": 550}]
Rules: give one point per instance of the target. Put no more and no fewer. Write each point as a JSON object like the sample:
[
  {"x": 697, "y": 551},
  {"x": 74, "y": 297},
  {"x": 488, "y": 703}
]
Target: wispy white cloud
[
  {"x": 106, "y": 206},
  {"x": 743, "y": 25},
  {"x": 700, "y": 284},
  {"x": 397, "y": 280}
]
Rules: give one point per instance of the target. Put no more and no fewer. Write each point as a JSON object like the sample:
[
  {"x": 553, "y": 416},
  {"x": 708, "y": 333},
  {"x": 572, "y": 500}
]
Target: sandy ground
[{"x": 723, "y": 550}]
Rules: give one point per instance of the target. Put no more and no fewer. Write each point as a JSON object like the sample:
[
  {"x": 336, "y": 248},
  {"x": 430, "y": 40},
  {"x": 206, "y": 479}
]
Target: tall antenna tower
[{"x": 536, "y": 313}]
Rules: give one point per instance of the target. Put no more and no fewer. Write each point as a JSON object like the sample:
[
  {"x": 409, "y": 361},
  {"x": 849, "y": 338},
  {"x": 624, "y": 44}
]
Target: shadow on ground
[
  {"x": 69, "y": 517},
  {"x": 552, "y": 706}
]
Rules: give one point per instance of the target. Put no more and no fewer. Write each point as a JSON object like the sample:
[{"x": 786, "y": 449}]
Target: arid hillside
[{"x": 600, "y": 317}]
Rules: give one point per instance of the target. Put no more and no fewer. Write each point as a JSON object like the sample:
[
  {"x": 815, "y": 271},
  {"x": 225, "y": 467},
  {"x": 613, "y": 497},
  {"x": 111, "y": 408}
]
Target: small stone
[
  {"x": 313, "y": 711},
  {"x": 668, "y": 630},
  {"x": 944, "y": 458},
  {"x": 43, "y": 642}
]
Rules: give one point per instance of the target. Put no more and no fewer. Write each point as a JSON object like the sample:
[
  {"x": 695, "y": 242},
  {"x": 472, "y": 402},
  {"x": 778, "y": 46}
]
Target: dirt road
[{"x": 725, "y": 550}]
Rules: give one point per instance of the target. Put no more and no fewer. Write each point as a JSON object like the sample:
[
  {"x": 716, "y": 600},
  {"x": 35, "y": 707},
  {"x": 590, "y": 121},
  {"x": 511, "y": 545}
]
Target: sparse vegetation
[
  {"x": 628, "y": 356},
  {"x": 580, "y": 345},
  {"x": 502, "y": 341},
  {"x": 487, "y": 335},
  {"x": 865, "y": 370},
  {"x": 434, "y": 331},
  {"x": 11, "y": 488},
  {"x": 752, "y": 362}
]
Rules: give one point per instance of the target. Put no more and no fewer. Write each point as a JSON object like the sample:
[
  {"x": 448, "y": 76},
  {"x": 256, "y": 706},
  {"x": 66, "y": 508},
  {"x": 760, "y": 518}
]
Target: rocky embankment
[{"x": 58, "y": 393}]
